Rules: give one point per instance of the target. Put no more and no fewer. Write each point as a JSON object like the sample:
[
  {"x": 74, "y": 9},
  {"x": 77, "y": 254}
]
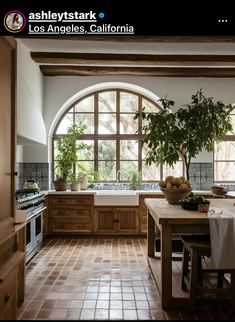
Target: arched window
[
  {"x": 224, "y": 157},
  {"x": 114, "y": 135}
]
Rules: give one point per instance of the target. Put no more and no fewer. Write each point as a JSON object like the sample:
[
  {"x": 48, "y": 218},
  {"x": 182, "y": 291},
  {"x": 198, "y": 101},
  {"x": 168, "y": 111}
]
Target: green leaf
[{"x": 186, "y": 132}]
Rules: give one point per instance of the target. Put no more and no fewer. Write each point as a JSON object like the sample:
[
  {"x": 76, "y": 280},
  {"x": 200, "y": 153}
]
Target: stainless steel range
[{"x": 33, "y": 204}]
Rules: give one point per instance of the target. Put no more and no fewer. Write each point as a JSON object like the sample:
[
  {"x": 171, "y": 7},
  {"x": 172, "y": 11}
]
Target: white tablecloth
[{"x": 222, "y": 234}]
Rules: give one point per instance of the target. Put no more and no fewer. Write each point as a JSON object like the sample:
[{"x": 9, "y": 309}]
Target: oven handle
[{"x": 36, "y": 213}]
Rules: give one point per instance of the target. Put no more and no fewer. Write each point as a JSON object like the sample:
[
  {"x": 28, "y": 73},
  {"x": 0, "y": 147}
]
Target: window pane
[
  {"x": 128, "y": 150},
  {"x": 150, "y": 173},
  {"x": 64, "y": 124},
  {"x": 85, "y": 105},
  {"x": 86, "y": 153},
  {"x": 233, "y": 124},
  {"x": 149, "y": 107},
  {"x": 224, "y": 171},
  {"x": 55, "y": 149},
  {"x": 106, "y": 150},
  {"x": 107, "y": 170},
  {"x": 107, "y": 102},
  {"x": 176, "y": 171},
  {"x": 126, "y": 168},
  {"x": 107, "y": 124},
  {"x": 225, "y": 150},
  {"x": 85, "y": 166},
  {"x": 87, "y": 119},
  {"x": 127, "y": 124},
  {"x": 128, "y": 102}
]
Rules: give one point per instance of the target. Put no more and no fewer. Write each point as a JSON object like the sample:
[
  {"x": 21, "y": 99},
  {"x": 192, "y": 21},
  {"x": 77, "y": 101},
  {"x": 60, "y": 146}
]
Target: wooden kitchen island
[{"x": 170, "y": 220}]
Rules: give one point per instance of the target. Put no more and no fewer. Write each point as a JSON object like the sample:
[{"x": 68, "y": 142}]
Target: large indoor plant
[
  {"x": 67, "y": 155},
  {"x": 186, "y": 132}
]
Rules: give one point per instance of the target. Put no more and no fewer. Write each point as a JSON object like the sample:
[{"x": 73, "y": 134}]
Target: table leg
[
  {"x": 166, "y": 266},
  {"x": 150, "y": 235}
]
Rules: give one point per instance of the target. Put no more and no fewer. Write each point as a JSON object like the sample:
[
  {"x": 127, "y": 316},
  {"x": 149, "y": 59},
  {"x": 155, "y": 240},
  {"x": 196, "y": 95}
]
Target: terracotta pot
[
  {"x": 174, "y": 195},
  {"x": 60, "y": 185}
]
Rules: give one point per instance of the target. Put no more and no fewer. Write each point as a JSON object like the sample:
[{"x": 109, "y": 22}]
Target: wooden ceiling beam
[
  {"x": 65, "y": 70},
  {"x": 131, "y": 59},
  {"x": 142, "y": 39}
]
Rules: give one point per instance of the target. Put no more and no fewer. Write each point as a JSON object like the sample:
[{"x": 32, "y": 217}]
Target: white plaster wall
[
  {"x": 35, "y": 153},
  {"x": 57, "y": 90},
  {"x": 30, "y": 123},
  {"x": 19, "y": 153}
]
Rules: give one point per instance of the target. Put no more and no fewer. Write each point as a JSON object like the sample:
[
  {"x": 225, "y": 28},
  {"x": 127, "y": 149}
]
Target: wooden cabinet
[
  {"x": 143, "y": 211},
  {"x": 8, "y": 294},
  {"x": 11, "y": 260},
  {"x": 71, "y": 213},
  {"x": 7, "y": 135},
  {"x": 9, "y": 274},
  {"x": 121, "y": 220},
  {"x": 105, "y": 220}
]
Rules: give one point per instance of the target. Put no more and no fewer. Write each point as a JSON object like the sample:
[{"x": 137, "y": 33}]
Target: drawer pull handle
[
  {"x": 7, "y": 297},
  {"x": 1, "y": 280}
]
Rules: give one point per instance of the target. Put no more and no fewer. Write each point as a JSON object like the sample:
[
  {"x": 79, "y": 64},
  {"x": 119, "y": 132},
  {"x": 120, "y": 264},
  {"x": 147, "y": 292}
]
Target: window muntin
[{"x": 113, "y": 134}]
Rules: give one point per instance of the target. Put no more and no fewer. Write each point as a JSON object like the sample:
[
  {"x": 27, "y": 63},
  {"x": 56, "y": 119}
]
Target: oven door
[
  {"x": 34, "y": 233},
  {"x": 29, "y": 236},
  {"x": 38, "y": 232}
]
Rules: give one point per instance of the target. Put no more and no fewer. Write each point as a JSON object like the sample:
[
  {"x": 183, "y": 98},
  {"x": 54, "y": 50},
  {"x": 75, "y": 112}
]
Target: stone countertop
[
  {"x": 69, "y": 192},
  {"x": 138, "y": 192}
]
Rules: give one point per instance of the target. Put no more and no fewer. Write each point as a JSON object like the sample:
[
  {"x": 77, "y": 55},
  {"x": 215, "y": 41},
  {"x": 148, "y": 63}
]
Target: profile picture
[{"x": 14, "y": 21}]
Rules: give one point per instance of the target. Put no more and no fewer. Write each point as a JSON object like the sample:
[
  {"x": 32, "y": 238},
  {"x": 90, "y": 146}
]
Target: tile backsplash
[
  {"x": 39, "y": 172},
  {"x": 201, "y": 175}
]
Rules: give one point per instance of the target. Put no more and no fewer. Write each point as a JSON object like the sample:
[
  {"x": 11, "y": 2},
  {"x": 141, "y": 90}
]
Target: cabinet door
[
  {"x": 7, "y": 135},
  {"x": 105, "y": 221},
  {"x": 8, "y": 295},
  {"x": 127, "y": 220}
]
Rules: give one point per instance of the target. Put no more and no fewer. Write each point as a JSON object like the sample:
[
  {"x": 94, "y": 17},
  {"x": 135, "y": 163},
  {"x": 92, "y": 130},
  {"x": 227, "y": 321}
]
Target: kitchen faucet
[{"x": 117, "y": 177}]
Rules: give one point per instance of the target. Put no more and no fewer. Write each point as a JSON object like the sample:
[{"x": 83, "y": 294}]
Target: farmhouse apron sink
[{"x": 116, "y": 198}]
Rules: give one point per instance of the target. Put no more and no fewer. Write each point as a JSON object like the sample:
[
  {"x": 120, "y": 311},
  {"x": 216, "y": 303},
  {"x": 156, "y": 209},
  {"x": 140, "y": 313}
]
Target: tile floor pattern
[{"x": 97, "y": 279}]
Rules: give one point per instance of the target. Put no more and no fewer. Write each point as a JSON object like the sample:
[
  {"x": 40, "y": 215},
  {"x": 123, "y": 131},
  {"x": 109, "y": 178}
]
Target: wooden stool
[{"x": 194, "y": 248}]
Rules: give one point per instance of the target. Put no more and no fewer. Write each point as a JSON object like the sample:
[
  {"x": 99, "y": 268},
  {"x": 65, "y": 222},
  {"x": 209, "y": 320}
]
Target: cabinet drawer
[
  {"x": 71, "y": 213},
  {"x": 81, "y": 225},
  {"x": 72, "y": 201},
  {"x": 8, "y": 288}
]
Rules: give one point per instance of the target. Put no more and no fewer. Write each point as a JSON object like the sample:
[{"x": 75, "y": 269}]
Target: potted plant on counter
[
  {"x": 67, "y": 155},
  {"x": 185, "y": 133},
  {"x": 136, "y": 179}
]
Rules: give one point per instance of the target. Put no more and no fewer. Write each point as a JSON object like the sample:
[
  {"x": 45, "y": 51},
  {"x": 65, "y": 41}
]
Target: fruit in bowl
[
  {"x": 191, "y": 202},
  {"x": 174, "y": 189}
]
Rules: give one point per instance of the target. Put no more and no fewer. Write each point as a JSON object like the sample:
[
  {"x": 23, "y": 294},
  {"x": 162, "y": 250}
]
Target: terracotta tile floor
[{"x": 97, "y": 279}]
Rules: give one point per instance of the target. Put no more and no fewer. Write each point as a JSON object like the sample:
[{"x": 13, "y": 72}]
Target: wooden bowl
[
  {"x": 219, "y": 190},
  {"x": 173, "y": 196}
]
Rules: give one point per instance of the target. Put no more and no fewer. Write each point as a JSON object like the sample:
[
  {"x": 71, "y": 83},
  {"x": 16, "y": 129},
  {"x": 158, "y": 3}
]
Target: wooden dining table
[{"x": 167, "y": 221}]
